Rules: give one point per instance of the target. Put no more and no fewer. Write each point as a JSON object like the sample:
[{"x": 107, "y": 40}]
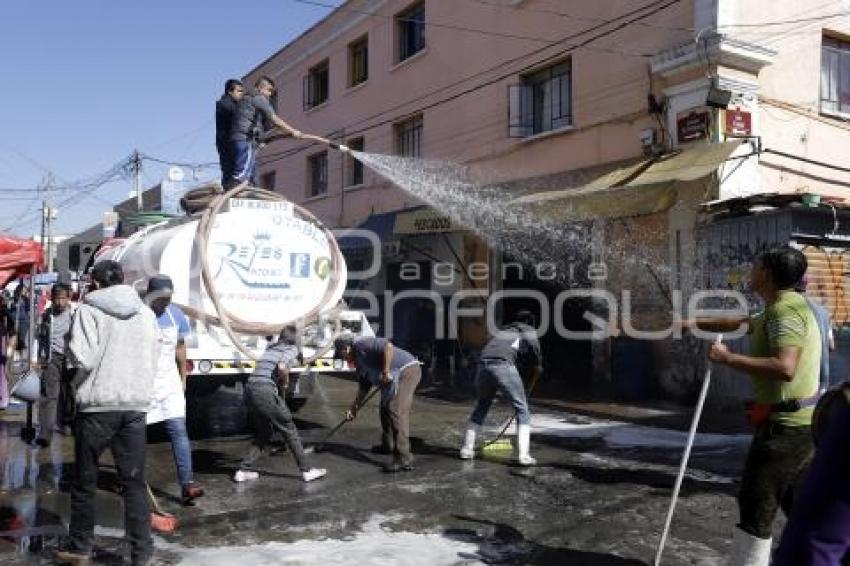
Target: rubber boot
[
  {"x": 523, "y": 443},
  {"x": 467, "y": 451},
  {"x": 748, "y": 550}
]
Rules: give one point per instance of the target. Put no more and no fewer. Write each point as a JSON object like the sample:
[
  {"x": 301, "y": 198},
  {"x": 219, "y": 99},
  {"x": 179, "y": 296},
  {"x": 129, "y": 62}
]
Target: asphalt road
[{"x": 597, "y": 497}]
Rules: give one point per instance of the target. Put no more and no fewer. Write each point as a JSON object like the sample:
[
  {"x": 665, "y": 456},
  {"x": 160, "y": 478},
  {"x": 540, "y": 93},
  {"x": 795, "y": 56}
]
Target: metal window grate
[
  {"x": 318, "y": 164},
  {"x": 355, "y": 167},
  {"x": 410, "y": 30},
  {"x": 835, "y": 76},
  {"x": 358, "y": 62},
  {"x": 268, "y": 180},
  {"x": 408, "y": 137},
  {"x": 316, "y": 85},
  {"x": 541, "y": 103}
]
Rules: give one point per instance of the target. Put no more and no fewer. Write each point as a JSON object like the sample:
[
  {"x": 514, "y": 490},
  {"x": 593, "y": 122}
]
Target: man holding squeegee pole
[
  {"x": 397, "y": 373},
  {"x": 784, "y": 366},
  {"x": 513, "y": 347}
]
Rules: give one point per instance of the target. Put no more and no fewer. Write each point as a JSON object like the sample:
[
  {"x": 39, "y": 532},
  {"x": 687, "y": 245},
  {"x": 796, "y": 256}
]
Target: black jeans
[
  {"x": 51, "y": 382},
  {"x": 268, "y": 413},
  {"x": 777, "y": 458},
  {"x": 123, "y": 432},
  {"x": 57, "y": 396}
]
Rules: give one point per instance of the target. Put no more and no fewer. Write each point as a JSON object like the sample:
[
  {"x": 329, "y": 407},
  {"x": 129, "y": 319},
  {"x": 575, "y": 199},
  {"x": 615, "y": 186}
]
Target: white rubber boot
[
  {"x": 313, "y": 474},
  {"x": 467, "y": 451},
  {"x": 748, "y": 550},
  {"x": 523, "y": 443}
]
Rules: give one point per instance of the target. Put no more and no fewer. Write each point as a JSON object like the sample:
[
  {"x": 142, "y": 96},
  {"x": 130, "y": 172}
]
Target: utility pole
[
  {"x": 136, "y": 164},
  {"x": 48, "y": 215}
]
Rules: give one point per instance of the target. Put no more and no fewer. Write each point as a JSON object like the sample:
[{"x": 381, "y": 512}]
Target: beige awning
[{"x": 641, "y": 188}]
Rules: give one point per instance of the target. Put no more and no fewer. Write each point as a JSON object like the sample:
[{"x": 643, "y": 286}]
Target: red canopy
[{"x": 17, "y": 257}]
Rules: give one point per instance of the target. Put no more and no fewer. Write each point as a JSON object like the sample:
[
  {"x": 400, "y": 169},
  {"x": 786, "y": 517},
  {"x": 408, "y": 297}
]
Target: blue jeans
[
  {"x": 180, "y": 447},
  {"x": 494, "y": 376}
]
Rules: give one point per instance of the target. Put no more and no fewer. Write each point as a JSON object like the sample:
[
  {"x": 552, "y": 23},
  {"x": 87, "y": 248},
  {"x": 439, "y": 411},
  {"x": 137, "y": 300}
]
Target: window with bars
[
  {"x": 317, "y": 165},
  {"x": 358, "y": 61},
  {"x": 410, "y": 31},
  {"x": 316, "y": 85},
  {"x": 268, "y": 180},
  {"x": 542, "y": 102},
  {"x": 835, "y": 76},
  {"x": 408, "y": 137},
  {"x": 354, "y": 169}
]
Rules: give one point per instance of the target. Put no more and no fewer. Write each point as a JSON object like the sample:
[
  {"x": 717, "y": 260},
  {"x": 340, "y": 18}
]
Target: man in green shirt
[{"x": 784, "y": 366}]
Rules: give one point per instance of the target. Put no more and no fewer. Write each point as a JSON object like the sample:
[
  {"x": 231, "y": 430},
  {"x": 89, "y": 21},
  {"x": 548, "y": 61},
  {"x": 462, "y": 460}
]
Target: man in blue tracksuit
[{"x": 254, "y": 113}]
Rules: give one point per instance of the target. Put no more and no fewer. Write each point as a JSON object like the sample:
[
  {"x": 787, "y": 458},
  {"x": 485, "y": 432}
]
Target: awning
[
  {"x": 18, "y": 256},
  {"x": 641, "y": 188},
  {"x": 379, "y": 224}
]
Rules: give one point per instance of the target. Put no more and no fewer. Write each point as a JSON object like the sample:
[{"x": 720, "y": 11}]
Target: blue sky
[{"x": 86, "y": 81}]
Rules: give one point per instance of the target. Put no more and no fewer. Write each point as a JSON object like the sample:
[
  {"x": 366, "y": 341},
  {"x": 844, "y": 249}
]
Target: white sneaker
[
  {"x": 313, "y": 474},
  {"x": 245, "y": 475}
]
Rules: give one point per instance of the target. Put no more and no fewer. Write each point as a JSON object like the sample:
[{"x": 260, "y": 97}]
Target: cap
[{"x": 160, "y": 284}]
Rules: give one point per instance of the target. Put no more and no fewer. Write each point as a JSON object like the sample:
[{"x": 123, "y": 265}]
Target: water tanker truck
[{"x": 243, "y": 265}]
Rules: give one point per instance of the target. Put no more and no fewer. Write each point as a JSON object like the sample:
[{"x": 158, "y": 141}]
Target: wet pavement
[{"x": 598, "y": 495}]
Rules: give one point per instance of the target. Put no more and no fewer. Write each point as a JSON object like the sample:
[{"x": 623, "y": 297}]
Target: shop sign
[
  {"x": 423, "y": 222},
  {"x": 692, "y": 125},
  {"x": 739, "y": 123}
]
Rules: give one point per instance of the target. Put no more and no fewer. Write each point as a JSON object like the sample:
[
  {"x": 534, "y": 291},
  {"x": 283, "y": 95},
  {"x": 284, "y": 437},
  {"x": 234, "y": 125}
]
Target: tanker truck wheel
[{"x": 214, "y": 406}]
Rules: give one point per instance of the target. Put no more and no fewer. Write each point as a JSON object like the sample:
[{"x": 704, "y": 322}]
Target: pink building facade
[{"x": 564, "y": 91}]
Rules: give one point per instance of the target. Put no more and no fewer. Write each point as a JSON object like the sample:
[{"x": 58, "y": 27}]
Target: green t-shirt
[{"x": 789, "y": 322}]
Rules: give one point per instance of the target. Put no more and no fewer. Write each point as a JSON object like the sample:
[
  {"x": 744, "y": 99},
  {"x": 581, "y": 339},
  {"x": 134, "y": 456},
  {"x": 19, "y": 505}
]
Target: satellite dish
[{"x": 175, "y": 174}]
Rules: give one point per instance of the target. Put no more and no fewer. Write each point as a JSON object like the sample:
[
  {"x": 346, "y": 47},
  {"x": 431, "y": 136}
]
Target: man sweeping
[
  {"x": 169, "y": 400},
  {"x": 396, "y": 372},
  {"x": 513, "y": 347},
  {"x": 268, "y": 411},
  {"x": 784, "y": 366}
]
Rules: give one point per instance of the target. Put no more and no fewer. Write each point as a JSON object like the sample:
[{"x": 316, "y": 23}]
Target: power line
[
  {"x": 425, "y": 22},
  {"x": 654, "y": 7}
]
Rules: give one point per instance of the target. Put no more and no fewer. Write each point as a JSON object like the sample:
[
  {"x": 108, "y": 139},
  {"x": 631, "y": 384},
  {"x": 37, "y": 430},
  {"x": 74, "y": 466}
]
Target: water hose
[{"x": 227, "y": 320}]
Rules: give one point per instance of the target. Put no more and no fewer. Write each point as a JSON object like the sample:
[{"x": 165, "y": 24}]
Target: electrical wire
[{"x": 656, "y": 7}]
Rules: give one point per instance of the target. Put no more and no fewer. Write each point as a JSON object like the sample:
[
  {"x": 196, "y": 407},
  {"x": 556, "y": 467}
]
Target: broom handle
[
  {"x": 510, "y": 420},
  {"x": 152, "y": 500},
  {"x": 685, "y": 456},
  {"x": 343, "y": 421}
]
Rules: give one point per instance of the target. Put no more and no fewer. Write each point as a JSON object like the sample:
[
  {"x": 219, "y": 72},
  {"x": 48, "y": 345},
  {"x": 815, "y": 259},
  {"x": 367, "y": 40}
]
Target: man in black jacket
[{"x": 225, "y": 108}]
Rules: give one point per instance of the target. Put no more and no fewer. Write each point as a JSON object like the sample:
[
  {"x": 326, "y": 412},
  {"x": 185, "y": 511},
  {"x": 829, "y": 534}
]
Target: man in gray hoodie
[{"x": 113, "y": 344}]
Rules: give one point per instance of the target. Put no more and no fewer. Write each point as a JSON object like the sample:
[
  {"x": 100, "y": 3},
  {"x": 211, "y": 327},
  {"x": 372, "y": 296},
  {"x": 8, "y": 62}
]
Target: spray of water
[
  {"x": 484, "y": 209},
  {"x": 488, "y": 210}
]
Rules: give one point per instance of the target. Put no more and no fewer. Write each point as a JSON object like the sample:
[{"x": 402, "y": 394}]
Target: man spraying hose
[
  {"x": 513, "y": 346},
  {"x": 254, "y": 114}
]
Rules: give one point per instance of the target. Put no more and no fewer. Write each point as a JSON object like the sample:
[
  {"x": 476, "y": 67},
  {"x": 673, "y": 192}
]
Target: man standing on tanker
[
  {"x": 225, "y": 110},
  {"x": 253, "y": 113}
]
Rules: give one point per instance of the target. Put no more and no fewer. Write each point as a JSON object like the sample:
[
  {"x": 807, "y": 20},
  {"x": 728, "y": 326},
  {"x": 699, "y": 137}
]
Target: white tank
[{"x": 269, "y": 265}]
